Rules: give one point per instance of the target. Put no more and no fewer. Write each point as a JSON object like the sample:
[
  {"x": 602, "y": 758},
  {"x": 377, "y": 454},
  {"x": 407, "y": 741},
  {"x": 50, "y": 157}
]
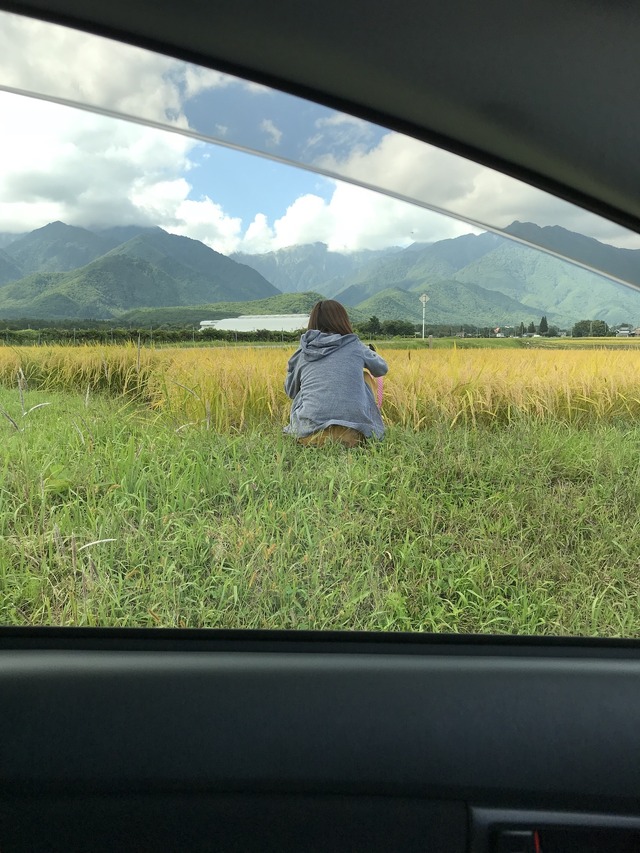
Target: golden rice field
[{"x": 229, "y": 389}]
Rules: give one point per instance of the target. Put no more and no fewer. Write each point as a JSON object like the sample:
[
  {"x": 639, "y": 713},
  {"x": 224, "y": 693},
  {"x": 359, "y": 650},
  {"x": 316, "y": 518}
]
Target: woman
[{"x": 326, "y": 382}]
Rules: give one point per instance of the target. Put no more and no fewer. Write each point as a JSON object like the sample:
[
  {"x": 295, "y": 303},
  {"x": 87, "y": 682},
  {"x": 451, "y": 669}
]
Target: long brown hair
[{"x": 330, "y": 316}]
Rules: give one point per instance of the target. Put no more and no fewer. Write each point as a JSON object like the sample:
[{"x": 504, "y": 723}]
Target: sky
[{"x": 58, "y": 162}]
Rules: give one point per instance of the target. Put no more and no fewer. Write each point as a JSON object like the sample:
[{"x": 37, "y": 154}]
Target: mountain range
[
  {"x": 297, "y": 269},
  {"x": 66, "y": 272},
  {"x": 485, "y": 277}
]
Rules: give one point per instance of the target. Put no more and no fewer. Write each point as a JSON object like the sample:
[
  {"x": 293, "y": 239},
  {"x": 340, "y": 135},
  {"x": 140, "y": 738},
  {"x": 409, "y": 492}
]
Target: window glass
[{"x": 165, "y": 232}]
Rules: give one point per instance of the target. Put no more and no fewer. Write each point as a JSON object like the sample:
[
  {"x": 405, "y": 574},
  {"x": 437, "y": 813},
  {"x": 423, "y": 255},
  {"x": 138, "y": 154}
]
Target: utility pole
[{"x": 424, "y": 299}]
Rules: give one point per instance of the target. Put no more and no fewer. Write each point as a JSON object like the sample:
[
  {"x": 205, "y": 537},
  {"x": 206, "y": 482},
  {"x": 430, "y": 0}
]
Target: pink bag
[{"x": 379, "y": 385}]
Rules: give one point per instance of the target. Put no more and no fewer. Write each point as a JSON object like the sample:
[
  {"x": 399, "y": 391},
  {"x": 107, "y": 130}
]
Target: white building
[{"x": 255, "y": 322}]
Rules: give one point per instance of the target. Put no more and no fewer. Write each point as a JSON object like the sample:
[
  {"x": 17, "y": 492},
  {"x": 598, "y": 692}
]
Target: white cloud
[
  {"x": 338, "y": 119},
  {"x": 206, "y": 221},
  {"x": 198, "y": 79},
  {"x": 61, "y": 163},
  {"x": 61, "y": 62},
  {"x": 274, "y": 134},
  {"x": 419, "y": 171},
  {"x": 88, "y": 170},
  {"x": 353, "y": 218},
  {"x": 258, "y": 237}
]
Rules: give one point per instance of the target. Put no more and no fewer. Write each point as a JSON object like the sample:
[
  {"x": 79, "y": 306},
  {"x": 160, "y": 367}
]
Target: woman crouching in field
[{"x": 325, "y": 379}]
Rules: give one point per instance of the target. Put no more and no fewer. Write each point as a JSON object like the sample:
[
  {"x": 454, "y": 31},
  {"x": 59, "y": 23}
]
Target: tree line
[{"x": 40, "y": 332}]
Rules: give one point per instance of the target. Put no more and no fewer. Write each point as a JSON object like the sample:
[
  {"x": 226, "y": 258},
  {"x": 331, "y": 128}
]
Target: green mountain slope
[
  {"x": 55, "y": 248},
  {"x": 395, "y": 272},
  {"x": 563, "y": 290},
  {"x": 23, "y": 292},
  {"x": 200, "y": 273},
  {"x": 416, "y": 266},
  {"x": 535, "y": 280},
  {"x": 100, "y": 290},
  {"x": 283, "y": 303},
  {"x": 296, "y": 269},
  {"x": 9, "y": 271},
  {"x": 449, "y": 302},
  {"x": 115, "y": 236},
  {"x": 6, "y": 238},
  {"x": 623, "y": 263},
  {"x": 153, "y": 269},
  {"x": 61, "y": 271},
  {"x": 355, "y": 276},
  {"x": 404, "y": 271},
  {"x": 457, "y": 252}
]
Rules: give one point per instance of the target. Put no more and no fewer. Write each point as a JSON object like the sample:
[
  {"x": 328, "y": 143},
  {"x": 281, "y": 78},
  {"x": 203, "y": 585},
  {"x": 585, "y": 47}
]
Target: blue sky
[
  {"x": 244, "y": 184},
  {"x": 280, "y": 125}
]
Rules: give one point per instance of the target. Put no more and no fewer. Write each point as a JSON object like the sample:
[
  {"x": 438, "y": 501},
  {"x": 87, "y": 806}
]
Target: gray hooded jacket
[{"x": 325, "y": 382}]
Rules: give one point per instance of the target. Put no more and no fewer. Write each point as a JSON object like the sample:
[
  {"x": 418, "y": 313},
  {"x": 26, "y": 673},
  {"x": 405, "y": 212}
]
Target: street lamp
[{"x": 424, "y": 299}]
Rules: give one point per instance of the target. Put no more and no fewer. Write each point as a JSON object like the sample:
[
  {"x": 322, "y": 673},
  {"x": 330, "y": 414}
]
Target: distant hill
[
  {"x": 152, "y": 269},
  {"x": 623, "y": 263},
  {"x": 66, "y": 272},
  {"x": 354, "y": 277},
  {"x": 564, "y": 290},
  {"x": 100, "y": 290},
  {"x": 448, "y": 301},
  {"x": 539, "y": 282},
  {"x": 202, "y": 275},
  {"x": 284, "y": 303},
  {"x": 406, "y": 270},
  {"x": 297, "y": 269},
  {"x": 396, "y": 271},
  {"x": 8, "y": 269},
  {"x": 55, "y": 248},
  {"x": 119, "y": 234},
  {"x": 457, "y": 252},
  {"x": 6, "y": 238}
]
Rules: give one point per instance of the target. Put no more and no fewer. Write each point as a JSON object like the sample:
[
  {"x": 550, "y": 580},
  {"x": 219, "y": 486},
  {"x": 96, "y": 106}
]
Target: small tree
[
  {"x": 531, "y": 329},
  {"x": 372, "y": 326},
  {"x": 398, "y": 327},
  {"x": 544, "y": 326},
  {"x": 590, "y": 328},
  {"x": 521, "y": 329}
]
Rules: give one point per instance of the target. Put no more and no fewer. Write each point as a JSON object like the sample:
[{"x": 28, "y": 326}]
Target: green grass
[
  {"x": 531, "y": 528},
  {"x": 450, "y": 343}
]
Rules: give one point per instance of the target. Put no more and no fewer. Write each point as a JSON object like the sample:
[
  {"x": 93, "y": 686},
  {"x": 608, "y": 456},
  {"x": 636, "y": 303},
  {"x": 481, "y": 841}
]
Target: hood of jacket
[{"x": 316, "y": 345}]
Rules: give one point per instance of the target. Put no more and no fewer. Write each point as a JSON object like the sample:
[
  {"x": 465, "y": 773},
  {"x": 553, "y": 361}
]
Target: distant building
[{"x": 256, "y": 322}]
